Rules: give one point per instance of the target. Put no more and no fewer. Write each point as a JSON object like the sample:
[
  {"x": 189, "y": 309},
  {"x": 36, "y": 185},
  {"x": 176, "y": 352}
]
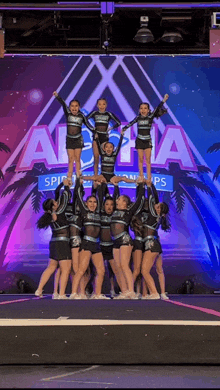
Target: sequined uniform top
[
  {"x": 60, "y": 227},
  {"x": 144, "y": 123},
  {"x": 91, "y": 221},
  {"x": 74, "y": 122},
  {"x": 102, "y": 120},
  {"x": 121, "y": 218},
  {"x": 105, "y": 234},
  {"x": 149, "y": 217},
  {"x": 108, "y": 162},
  {"x": 72, "y": 213}
]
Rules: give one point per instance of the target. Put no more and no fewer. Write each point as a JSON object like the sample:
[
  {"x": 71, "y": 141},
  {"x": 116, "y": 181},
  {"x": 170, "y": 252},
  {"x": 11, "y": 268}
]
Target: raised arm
[
  {"x": 74, "y": 200},
  {"x": 155, "y": 194},
  {"x": 99, "y": 198},
  {"x": 116, "y": 192},
  {"x": 117, "y": 150},
  {"x": 160, "y": 110},
  {"x": 64, "y": 198},
  {"x": 61, "y": 101},
  {"x": 57, "y": 191},
  {"x": 152, "y": 192},
  {"x": 138, "y": 204},
  {"x": 131, "y": 123},
  {"x": 79, "y": 191}
]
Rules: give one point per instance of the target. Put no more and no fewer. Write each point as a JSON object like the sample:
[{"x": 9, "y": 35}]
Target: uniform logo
[
  {"x": 75, "y": 241},
  {"x": 149, "y": 244},
  {"x": 126, "y": 238}
]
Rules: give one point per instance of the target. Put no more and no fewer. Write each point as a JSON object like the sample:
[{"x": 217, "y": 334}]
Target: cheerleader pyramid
[{"x": 94, "y": 234}]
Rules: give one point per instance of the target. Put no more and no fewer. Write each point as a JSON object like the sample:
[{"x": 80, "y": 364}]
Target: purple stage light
[
  {"x": 174, "y": 88},
  {"x": 35, "y": 96}
]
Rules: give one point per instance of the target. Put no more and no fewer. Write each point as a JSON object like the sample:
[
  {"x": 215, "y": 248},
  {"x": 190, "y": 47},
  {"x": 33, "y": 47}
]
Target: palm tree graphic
[
  {"x": 29, "y": 181},
  {"x": 215, "y": 148},
  {"x": 6, "y": 149},
  {"x": 185, "y": 183}
]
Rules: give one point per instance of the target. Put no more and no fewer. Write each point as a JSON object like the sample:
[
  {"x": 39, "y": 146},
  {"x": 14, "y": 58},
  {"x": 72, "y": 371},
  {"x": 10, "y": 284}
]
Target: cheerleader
[
  {"x": 102, "y": 119},
  {"x": 137, "y": 250},
  {"x": 106, "y": 243},
  {"x": 59, "y": 248},
  {"x": 75, "y": 225},
  {"x": 143, "y": 142},
  {"x": 120, "y": 221},
  {"x": 74, "y": 139},
  {"x": 153, "y": 216},
  {"x": 108, "y": 160},
  {"x": 90, "y": 247}
]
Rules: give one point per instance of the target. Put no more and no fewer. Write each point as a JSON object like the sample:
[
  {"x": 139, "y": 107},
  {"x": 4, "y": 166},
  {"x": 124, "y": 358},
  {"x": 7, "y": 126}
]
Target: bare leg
[
  {"x": 65, "y": 267},
  {"x": 138, "y": 284},
  {"x": 160, "y": 273},
  {"x": 137, "y": 258},
  {"x": 148, "y": 162},
  {"x": 51, "y": 268},
  {"x": 121, "y": 278},
  {"x": 96, "y": 157},
  {"x": 78, "y": 162},
  {"x": 84, "y": 258},
  {"x": 75, "y": 265},
  {"x": 86, "y": 277},
  {"x": 56, "y": 281},
  {"x": 125, "y": 255},
  {"x": 71, "y": 159},
  {"x": 115, "y": 271},
  {"x": 148, "y": 262},
  {"x": 144, "y": 288},
  {"x": 140, "y": 161},
  {"x": 98, "y": 262}
]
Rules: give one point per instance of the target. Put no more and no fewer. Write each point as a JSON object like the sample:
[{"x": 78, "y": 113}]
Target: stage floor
[
  {"x": 182, "y": 330},
  {"x": 109, "y": 377}
]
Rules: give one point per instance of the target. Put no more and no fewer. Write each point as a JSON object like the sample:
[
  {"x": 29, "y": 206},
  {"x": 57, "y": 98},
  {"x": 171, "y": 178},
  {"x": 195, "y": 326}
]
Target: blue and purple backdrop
[{"x": 185, "y": 155}]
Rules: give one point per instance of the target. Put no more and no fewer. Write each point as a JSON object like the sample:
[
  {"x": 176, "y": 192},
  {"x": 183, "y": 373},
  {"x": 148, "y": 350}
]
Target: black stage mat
[
  {"x": 185, "y": 329},
  {"x": 21, "y": 307}
]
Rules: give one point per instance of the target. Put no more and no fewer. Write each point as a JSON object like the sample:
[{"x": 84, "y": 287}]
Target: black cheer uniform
[
  {"x": 138, "y": 243},
  {"x": 138, "y": 238},
  {"x": 108, "y": 162},
  {"x": 151, "y": 222},
  {"x": 121, "y": 219},
  {"x": 91, "y": 222},
  {"x": 102, "y": 120},
  {"x": 59, "y": 244},
  {"x": 75, "y": 222},
  {"x": 74, "y": 138},
  {"x": 106, "y": 243},
  {"x": 144, "y": 123}
]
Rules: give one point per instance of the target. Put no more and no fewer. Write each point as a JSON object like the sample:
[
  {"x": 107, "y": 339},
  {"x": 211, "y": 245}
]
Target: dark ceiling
[{"x": 67, "y": 29}]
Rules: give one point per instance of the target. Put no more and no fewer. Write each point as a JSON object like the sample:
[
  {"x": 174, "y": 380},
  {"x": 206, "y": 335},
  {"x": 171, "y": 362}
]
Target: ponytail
[
  {"x": 165, "y": 224},
  {"x": 136, "y": 225},
  {"x": 45, "y": 220}
]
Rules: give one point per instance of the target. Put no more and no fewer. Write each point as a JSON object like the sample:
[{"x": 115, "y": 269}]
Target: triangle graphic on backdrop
[
  {"x": 173, "y": 147},
  {"x": 107, "y": 80},
  {"x": 39, "y": 147}
]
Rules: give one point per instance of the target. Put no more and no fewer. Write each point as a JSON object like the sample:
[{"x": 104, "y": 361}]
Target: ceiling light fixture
[
  {"x": 171, "y": 37},
  {"x": 144, "y": 35}
]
